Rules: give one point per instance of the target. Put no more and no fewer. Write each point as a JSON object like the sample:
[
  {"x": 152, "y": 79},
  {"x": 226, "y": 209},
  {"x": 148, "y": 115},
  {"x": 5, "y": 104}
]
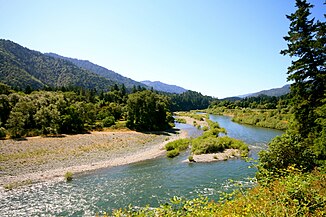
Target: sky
[{"x": 220, "y": 48}]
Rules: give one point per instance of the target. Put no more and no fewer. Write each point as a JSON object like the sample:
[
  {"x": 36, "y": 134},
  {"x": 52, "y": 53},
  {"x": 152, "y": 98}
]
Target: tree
[
  {"x": 304, "y": 143},
  {"x": 306, "y": 44},
  {"x": 148, "y": 111},
  {"x": 48, "y": 119}
]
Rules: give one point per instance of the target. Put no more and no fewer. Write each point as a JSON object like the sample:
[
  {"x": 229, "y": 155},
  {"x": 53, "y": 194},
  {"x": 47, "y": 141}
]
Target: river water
[{"x": 151, "y": 182}]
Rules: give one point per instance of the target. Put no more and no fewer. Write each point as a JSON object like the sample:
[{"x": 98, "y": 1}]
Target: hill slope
[
  {"x": 21, "y": 67},
  {"x": 271, "y": 92},
  {"x": 99, "y": 70},
  {"x": 157, "y": 85}
]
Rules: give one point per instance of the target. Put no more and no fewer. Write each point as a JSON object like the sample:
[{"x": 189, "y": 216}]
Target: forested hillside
[
  {"x": 99, "y": 70},
  {"x": 22, "y": 68}
]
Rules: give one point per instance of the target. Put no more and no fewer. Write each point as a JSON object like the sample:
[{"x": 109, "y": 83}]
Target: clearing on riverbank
[{"x": 34, "y": 159}]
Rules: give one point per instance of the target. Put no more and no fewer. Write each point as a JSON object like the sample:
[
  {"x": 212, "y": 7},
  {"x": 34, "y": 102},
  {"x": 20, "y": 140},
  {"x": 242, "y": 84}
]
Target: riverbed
[{"x": 151, "y": 182}]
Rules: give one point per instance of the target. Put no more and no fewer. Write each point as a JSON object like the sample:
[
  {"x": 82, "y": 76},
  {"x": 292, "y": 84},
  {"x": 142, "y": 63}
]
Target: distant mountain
[
  {"x": 271, "y": 92},
  {"x": 21, "y": 67},
  {"x": 157, "y": 85},
  {"x": 104, "y": 72}
]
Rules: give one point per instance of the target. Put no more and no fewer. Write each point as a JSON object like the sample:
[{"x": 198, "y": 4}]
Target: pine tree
[{"x": 306, "y": 45}]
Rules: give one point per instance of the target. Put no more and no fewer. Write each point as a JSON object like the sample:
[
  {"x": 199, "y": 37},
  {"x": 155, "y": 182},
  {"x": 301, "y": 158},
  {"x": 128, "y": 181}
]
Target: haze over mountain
[
  {"x": 157, "y": 85},
  {"x": 99, "y": 70},
  {"x": 21, "y": 67},
  {"x": 271, "y": 92}
]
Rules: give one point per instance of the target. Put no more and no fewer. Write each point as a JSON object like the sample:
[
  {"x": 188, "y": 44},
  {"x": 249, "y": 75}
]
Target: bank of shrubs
[{"x": 269, "y": 118}]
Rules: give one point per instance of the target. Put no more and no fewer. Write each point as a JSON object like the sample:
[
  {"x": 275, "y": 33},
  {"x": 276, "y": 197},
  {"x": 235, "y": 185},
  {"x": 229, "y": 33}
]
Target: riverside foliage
[{"x": 209, "y": 142}]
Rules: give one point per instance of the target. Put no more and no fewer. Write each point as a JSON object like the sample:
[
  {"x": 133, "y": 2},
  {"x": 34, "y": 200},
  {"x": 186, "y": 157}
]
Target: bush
[
  {"x": 181, "y": 144},
  {"x": 2, "y": 132},
  {"x": 68, "y": 176},
  {"x": 191, "y": 158},
  {"x": 181, "y": 120},
  {"x": 108, "y": 121},
  {"x": 173, "y": 153}
]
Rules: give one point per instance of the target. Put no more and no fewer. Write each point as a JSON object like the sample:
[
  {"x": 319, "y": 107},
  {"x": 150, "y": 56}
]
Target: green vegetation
[
  {"x": 189, "y": 100},
  {"x": 148, "y": 111},
  {"x": 173, "y": 153},
  {"x": 212, "y": 144},
  {"x": 78, "y": 110},
  {"x": 181, "y": 144},
  {"x": 173, "y": 148},
  {"x": 68, "y": 176},
  {"x": 26, "y": 69},
  {"x": 181, "y": 120},
  {"x": 192, "y": 114},
  {"x": 275, "y": 118},
  {"x": 303, "y": 144},
  {"x": 209, "y": 142}
]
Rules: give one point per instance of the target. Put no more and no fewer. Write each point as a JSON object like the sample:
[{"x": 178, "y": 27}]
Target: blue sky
[{"x": 220, "y": 48}]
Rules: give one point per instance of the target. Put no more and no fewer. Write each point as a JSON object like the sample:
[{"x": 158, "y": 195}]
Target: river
[{"x": 151, "y": 182}]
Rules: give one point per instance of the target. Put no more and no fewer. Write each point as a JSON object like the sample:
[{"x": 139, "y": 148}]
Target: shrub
[
  {"x": 205, "y": 128},
  {"x": 68, "y": 176},
  {"x": 191, "y": 158},
  {"x": 173, "y": 153},
  {"x": 108, "y": 121},
  {"x": 2, "y": 132},
  {"x": 181, "y": 120},
  {"x": 181, "y": 144}
]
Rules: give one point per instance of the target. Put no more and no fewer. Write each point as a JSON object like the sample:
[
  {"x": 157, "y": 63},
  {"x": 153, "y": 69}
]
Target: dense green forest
[
  {"x": 101, "y": 71},
  {"x": 22, "y": 68},
  {"x": 72, "y": 109}
]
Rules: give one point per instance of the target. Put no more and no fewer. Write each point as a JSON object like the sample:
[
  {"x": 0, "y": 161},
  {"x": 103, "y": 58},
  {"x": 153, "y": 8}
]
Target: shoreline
[{"x": 133, "y": 151}]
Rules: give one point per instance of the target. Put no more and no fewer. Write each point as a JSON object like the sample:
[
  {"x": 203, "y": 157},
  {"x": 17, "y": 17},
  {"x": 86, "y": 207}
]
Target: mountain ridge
[
  {"x": 99, "y": 70},
  {"x": 160, "y": 86},
  {"x": 269, "y": 92},
  {"x": 21, "y": 67}
]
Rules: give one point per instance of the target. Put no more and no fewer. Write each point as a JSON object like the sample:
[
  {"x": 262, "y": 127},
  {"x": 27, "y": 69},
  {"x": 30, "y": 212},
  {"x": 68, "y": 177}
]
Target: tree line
[{"x": 75, "y": 109}]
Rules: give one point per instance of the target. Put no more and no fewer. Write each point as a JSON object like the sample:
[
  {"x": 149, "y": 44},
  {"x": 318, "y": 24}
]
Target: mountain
[
  {"x": 99, "y": 70},
  {"x": 271, "y": 92},
  {"x": 157, "y": 85},
  {"x": 21, "y": 67}
]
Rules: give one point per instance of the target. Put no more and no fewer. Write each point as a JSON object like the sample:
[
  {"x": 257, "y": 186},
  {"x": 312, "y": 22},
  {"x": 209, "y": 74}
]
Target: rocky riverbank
[{"x": 36, "y": 159}]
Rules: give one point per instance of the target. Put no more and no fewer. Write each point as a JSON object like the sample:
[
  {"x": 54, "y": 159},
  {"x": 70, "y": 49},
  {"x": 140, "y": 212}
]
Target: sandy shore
[{"x": 39, "y": 159}]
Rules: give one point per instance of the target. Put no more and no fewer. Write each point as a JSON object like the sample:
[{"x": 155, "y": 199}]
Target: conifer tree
[{"x": 306, "y": 46}]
